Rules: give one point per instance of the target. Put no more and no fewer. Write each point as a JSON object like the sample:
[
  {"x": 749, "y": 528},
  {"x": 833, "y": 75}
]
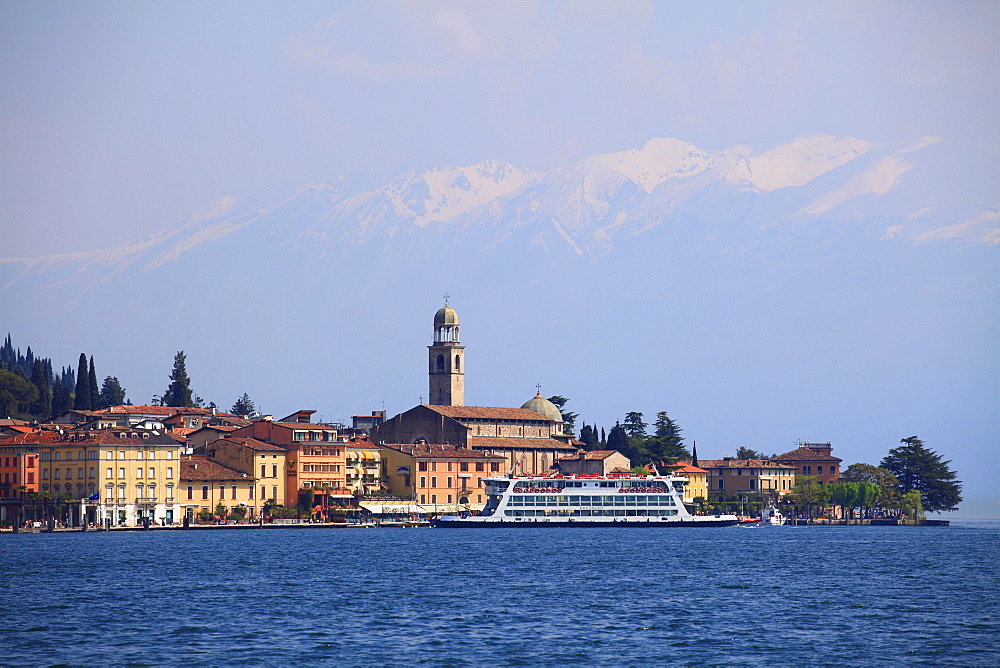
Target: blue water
[{"x": 781, "y": 595}]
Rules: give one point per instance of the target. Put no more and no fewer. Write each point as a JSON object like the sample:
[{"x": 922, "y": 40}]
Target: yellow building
[
  {"x": 364, "y": 468},
  {"x": 211, "y": 490},
  {"x": 697, "y": 481},
  {"x": 262, "y": 462},
  {"x": 119, "y": 476}
]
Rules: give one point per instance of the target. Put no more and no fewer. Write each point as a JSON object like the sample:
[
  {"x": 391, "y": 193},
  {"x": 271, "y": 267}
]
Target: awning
[{"x": 394, "y": 508}]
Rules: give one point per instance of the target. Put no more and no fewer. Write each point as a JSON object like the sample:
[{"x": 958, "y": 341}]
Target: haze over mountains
[{"x": 826, "y": 260}]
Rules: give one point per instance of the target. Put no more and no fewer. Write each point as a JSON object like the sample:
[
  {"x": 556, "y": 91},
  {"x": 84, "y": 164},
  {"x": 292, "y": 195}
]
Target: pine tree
[
  {"x": 918, "y": 468},
  {"x": 667, "y": 444},
  {"x": 244, "y": 406},
  {"x": 82, "y": 399},
  {"x": 92, "y": 381},
  {"x": 179, "y": 391},
  {"x": 112, "y": 393}
]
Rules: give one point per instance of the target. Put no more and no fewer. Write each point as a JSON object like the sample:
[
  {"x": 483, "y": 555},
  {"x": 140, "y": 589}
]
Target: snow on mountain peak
[
  {"x": 439, "y": 195},
  {"x": 799, "y": 162}
]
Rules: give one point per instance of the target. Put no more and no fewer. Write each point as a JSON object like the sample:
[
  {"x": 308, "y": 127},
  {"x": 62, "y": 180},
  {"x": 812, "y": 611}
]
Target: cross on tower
[
  {"x": 538, "y": 386},
  {"x": 446, "y": 298}
]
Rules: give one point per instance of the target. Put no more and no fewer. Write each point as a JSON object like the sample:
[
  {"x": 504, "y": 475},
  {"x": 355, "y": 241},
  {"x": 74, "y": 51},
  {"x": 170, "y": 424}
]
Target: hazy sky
[{"x": 117, "y": 119}]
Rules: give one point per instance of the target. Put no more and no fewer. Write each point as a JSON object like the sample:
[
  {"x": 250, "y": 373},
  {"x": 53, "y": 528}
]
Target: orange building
[
  {"x": 316, "y": 460},
  {"x": 813, "y": 459},
  {"x": 440, "y": 478}
]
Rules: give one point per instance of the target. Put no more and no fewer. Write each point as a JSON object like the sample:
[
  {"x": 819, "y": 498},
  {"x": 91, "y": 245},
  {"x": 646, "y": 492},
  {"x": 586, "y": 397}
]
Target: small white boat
[{"x": 771, "y": 516}]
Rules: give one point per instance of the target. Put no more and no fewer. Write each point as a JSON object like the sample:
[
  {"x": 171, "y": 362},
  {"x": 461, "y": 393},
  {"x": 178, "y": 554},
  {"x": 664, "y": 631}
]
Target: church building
[{"x": 529, "y": 438}]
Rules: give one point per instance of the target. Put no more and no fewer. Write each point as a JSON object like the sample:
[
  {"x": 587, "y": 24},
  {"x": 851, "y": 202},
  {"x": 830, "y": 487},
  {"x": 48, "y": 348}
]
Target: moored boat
[{"x": 616, "y": 500}]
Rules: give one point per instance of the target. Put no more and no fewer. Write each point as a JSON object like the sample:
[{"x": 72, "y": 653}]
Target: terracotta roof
[
  {"x": 488, "y": 413},
  {"x": 128, "y": 409},
  {"x": 741, "y": 464},
  {"x": 307, "y": 426},
  {"x": 205, "y": 469},
  {"x": 804, "y": 454},
  {"x": 435, "y": 451},
  {"x": 685, "y": 468},
  {"x": 515, "y": 443},
  {"x": 595, "y": 455},
  {"x": 253, "y": 444},
  {"x": 182, "y": 431},
  {"x": 91, "y": 437}
]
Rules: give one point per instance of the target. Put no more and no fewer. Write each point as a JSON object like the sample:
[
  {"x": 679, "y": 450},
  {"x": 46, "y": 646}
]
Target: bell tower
[{"x": 446, "y": 360}]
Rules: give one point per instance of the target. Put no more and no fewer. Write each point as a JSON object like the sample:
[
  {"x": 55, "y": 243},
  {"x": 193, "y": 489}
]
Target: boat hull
[{"x": 576, "y": 524}]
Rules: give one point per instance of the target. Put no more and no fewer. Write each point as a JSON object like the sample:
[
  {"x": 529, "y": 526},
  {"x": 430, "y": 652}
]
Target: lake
[{"x": 739, "y": 595}]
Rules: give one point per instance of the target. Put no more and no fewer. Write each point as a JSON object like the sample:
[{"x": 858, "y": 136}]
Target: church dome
[
  {"x": 541, "y": 405},
  {"x": 445, "y": 316}
]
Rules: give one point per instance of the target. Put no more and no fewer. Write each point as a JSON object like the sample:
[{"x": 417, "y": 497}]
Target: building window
[
  {"x": 458, "y": 363},
  {"x": 152, "y": 472},
  {"x": 406, "y": 481},
  {"x": 440, "y": 362},
  {"x": 111, "y": 473},
  {"x": 250, "y": 490},
  {"x": 222, "y": 492},
  {"x": 190, "y": 492},
  {"x": 448, "y": 481},
  {"x": 807, "y": 470},
  {"x": 722, "y": 483},
  {"x": 170, "y": 491},
  {"x": 263, "y": 491},
  {"x": 434, "y": 481},
  {"x": 204, "y": 492},
  {"x": 423, "y": 498},
  {"x": 421, "y": 466},
  {"x": 423, "y": 481},
  {"x": 170, "y": 472},
  {"x": 274, "y": 470},
  {"x": 434, "y": 498},
  {"x": 449, "y": 498},
  {"x": 819, "y": 469},
  {"x": 463, "y": 466},
  {"x": 263, "y": 470},
  {"x": 234, "y": 492},
  {"x": 753, "y": 483},
  {"x": 494, "y": 466},
  {"x": 138, "y": 472},
  {"x": 449, "y": 466},
  {"x": 479, "y": 466}
]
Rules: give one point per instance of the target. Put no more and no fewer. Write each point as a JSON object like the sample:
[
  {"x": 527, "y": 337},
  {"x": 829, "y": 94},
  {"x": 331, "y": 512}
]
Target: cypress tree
[
  {"x": 179, "y": 391},
  {"x": 60, "y": 399},
  {"x": 94, "y": 392},
  {"x": 82, "y": 400},
  {"x": 42, "y": 408}
]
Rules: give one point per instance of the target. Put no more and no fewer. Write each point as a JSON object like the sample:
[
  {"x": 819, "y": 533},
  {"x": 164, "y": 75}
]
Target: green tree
[
  {"x": 179, "y": 391},
  {"x": 60, "y": 399},
  {"x": 94, "y": 392},
  {"x": 588, "y": 435},
  {"x": 112, "y": 393},
  {"x": 920, "y": 469},
  {"x": 910, "y": 505},
  {"x": 618, "y": 439},
  {"x": 886, "y": 484},
  {"x": 41, "y": 379},
  {"x": 82, "y": 401},
  {"x": 666, "y": 445},
  {"x": 634, "y": 426},
  {"x": 569, "y": 417},
  {"x": 244, "y": 406},
  {"x": 17, "y": 394},
  {"x": 744, "y": 452}
]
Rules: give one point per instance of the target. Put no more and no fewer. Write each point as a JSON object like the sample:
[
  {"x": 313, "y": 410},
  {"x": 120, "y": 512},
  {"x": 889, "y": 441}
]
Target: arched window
[
  {"x": 440, "y": 362},
  {"x": 458, "y": 363}
]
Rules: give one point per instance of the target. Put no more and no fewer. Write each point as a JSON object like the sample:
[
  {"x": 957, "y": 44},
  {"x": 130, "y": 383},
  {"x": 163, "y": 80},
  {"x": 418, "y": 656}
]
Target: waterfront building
[
  {"x": 593, "y": 462},
  {"x": 208, "y": 487},
  {"x": 813, "y": 459},
  {"x": 18, "y": 475},
  {"x": 697, "y": 481},
  {"x": 263, "y": 463},
  {"x": 742, "y": 476},
  {"x": 122, "y": 476},
  {"x": 317, "y": 456},
  {"x": 363, "y": 473},
  {"x": 439, "y": 478}
]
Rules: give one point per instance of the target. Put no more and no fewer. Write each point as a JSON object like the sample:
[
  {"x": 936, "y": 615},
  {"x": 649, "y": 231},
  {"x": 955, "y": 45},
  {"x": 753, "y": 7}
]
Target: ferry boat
[{"x": 584, "y": 500}]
